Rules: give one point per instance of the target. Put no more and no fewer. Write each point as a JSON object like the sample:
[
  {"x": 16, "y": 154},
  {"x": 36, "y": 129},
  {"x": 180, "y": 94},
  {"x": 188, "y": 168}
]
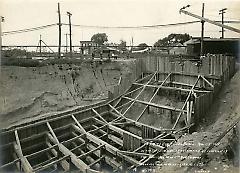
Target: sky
[{"x": 21, "y": 14}]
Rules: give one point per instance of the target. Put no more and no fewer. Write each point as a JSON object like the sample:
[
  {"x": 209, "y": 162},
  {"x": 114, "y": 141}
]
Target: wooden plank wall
[
  {"x": 147, "y": 132},
  {"x": 222, "y": 66},
  {"x": 130, "y": 143},
  {"x": 211, "y": 64}
]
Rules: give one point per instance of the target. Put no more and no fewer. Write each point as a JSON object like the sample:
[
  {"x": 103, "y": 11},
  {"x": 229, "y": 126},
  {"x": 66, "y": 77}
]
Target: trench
[{"x": 127, "y": 133}]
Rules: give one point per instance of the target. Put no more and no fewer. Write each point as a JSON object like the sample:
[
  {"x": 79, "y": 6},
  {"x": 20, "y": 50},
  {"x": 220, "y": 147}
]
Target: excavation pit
[{"x": 127, "y": 133}]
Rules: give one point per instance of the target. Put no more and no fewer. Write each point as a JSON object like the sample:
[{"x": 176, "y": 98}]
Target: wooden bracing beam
[
  {"x": 173, "y": 88},
  {"x": 64, "y": 164},
  {"x": 133, "y": 101},
  {"x": 110, "y": 161},
  {"x": 99, "y": 115},
  {"x": 209, "y": 83},
  {"x": 192, "y": 75},
  {"x": 140, "y": 80},
  {"x": 41, "y": 151},
  {"x": 138, "y": 123},
  {"x": 185, "y": 103},
  {"x": 133, "y": 153},
  {"x": 113, "y": 150},
  {"x": 126, "y": 93},
  {"x": 89, "y": 159},
  {"x": 91, "y": 151},
  {"x": 156, "y": 105},
  {"x": 79, "y": 125},
  {"x": 96, "y": 161},
  {"x": 74, "y": 159},
  {"x": 77, "y": 147},
  {"x": 17, "y": 160},
  {"x": 119, "y": 130},
  {"x": 40, "y": 168},
  {"x": 151, "y": 99},
  {"x": 51, "y": 159},
  {"x": 18, "y": 149}
]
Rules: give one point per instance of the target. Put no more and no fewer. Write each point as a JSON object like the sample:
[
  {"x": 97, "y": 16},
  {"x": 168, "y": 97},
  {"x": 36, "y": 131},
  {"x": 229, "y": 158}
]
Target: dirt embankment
[
  {"x": 224, "y": 156},
  {"x": 31, "y": 91}
]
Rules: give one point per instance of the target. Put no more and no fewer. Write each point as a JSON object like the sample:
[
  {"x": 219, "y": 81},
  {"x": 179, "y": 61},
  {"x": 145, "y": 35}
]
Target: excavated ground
[
  {"x": 27, "y": 92},
  {"x": 156, "y": 117}
]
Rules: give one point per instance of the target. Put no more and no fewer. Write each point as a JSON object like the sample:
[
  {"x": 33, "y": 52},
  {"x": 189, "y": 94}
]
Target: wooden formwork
[{"x": 101, "y": 136}]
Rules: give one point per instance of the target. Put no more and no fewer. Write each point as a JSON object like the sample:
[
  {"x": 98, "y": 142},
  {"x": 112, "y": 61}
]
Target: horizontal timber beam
[
  {"x": 157, "y": 105},
  {"x": 173, "y": 88}
]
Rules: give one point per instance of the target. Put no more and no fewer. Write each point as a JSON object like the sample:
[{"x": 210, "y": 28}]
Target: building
[
  {"x": 227, "y": 46},
  {"x": 87, "y": 47},
  {"x": 177, "y": 49}
]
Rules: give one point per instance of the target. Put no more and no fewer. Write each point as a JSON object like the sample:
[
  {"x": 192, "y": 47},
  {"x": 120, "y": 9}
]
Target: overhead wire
[
  {"x": 99, "y": 27},
  {"x": 134, "y": 27},
  {"x": 29, "y": 29},
  {"x": 109, "y": 27}
]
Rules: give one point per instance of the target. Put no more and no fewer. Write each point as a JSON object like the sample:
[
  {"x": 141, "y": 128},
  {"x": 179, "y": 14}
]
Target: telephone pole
[
  {"x": 40, "y": 45},
  {"x": 202, "y": 32},
  {"x": 221, "y": 12},
  {"x": 59, "y": 31},
  {"x": 70, "y": 32},
  {"x": 66, "y": 42},
  {"x": 1, "y": 20}
]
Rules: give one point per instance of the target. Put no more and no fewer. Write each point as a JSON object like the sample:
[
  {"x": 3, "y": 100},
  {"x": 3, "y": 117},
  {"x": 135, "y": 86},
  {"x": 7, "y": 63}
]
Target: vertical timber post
[
  {"x": 66, "y": 43},
  {"x": 202, "y": 32},
  {"x": 221, "y": 12},
  {"x": 70, "y": 32},
  {"x": 40, "y": 45},
  {"x": 1, "y": 20},
  {"x": 59, "y": 31}
]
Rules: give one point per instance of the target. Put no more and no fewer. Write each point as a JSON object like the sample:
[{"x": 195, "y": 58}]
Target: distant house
[
  {"x": 87, "y": 47},
  {"x": 190, "y": 45},
  {"x": 179, "y": 49},
  {"x": 147, "y": 49}
]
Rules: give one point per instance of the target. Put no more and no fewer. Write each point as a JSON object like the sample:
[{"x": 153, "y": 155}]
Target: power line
[
  {"x": 133, "y": 27},
  {"x": 109, "y": 27},
  {"x": 92, "y": 26},
  {"x": 29, "y": 29}
]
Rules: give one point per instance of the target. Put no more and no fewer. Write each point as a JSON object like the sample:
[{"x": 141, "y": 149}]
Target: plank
[
  {"x": 17, "y": 148},
  {"x": 74, "y": 159},
  {"x": 157, "y": 105},
  {"x": 80, "y": 126}
]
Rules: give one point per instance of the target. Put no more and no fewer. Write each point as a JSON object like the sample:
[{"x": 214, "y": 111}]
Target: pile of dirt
[{"x": 31, "y": 91}]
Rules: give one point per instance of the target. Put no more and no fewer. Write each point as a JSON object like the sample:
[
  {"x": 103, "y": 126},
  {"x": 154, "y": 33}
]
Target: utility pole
[
  {"x": 202, "y": 32},
  {"x": 1, "y": 20},
  {"x": 59, "y": 31},
  {"x": 66, "y": 42},
  {"x": 221, "y": 12},
  {"x": 40, "y": 45},
  {"x": 132, "y": 44},
  {"x": 70, "y": 32}
]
